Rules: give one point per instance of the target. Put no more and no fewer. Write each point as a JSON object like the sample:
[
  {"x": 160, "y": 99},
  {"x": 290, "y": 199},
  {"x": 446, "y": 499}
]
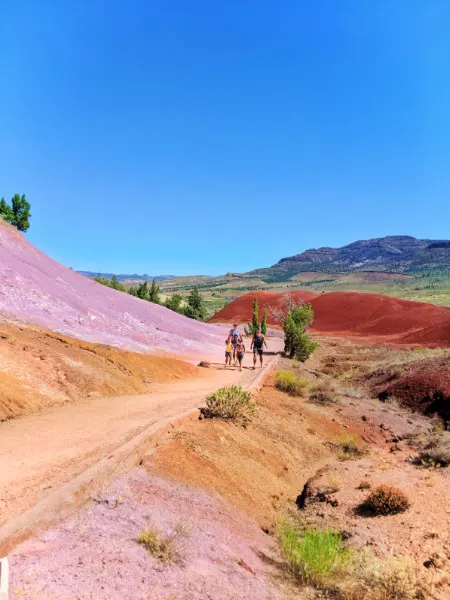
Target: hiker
[
  {"x": 240, "y": 351},
  {"x": 234, "y": 336},
  {"x": 228, "y": 352},
  {"x": 257, "y": 344}
]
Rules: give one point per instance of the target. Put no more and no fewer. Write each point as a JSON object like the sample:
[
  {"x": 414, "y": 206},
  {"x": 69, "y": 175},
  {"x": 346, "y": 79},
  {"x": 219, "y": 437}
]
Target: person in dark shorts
[
  {"x": 257, "y": 344},
  {"x": 240, "y": 351}
]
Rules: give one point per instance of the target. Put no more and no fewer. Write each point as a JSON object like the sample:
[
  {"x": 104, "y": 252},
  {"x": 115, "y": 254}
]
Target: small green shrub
[
  {"x": 314, "y": 556},
  {"x": 349, "y": 447},
  {"x": 323, "y": 392},
  {"x": 291, "y": 383},
  {"x": 232, "y": 403},
  {"x": 386, "y": 500}
]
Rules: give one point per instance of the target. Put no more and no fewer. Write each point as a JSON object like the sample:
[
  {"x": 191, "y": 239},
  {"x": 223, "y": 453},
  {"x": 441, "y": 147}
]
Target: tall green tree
[
  {"x": 132, "y": 291},
  {"x": 154, "y": 293},
  {"x": 254, "y": 325},
  {"x": 142, "y": 291},
  {"x": 264, "y": 322},
  {"x": 21, "y": 212}
]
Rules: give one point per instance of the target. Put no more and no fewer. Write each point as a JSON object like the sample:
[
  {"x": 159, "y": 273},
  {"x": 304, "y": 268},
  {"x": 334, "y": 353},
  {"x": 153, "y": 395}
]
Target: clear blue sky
[{"x": 166, "y": 136}]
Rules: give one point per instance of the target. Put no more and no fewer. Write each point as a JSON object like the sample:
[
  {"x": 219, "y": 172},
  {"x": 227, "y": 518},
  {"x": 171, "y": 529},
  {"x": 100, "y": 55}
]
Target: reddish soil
[
  {"x": 40, "y": 368},
  {"x": 423, "y": 386},
  {"x": 373, "y": 316}
]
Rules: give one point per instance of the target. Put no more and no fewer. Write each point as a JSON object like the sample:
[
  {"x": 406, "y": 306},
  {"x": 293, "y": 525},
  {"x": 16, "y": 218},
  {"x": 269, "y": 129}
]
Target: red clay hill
[{"x": 372, "y": 316}]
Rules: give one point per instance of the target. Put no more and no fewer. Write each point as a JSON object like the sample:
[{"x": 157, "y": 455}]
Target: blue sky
[{"x": 180, "y": 137}]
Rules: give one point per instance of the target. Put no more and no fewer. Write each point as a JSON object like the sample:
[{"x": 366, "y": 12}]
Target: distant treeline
[{"x": 193, "y": 307}]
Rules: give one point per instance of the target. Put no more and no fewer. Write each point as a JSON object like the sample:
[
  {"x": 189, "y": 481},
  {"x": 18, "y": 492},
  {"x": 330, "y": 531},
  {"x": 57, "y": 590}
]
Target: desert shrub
[
  {"x": 323, "y": 392},
  {"x": 436, "y": 453},
  {"x": 349, "y": 447},
  {"x": 386, "y": 500},
  {"x": 230, "y": 402},
  {"x": 291, "y": 383},
  {"x": 163, "y": 547},
  {"x": 314, "y": 556},
  {"x": 392, "y": 578}
]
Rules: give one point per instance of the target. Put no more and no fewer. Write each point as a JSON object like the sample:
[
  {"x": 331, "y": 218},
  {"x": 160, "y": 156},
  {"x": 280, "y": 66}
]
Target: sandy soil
[{"x": 42, "y": 451}]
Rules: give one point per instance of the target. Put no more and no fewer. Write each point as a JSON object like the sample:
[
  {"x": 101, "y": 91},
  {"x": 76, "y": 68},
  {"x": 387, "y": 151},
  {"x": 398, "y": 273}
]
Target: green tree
[
  {"x": 174, "y": 303},
  {"x": 264, "y": 322},
  {"x": 6, "y": 212},
  {"x": 295, "y": 324},
  {"x": 21, "y": 212},
  {"x": 154, "y": 293},
  {"x": 132, "y": 291},
  {"x": 116, "y": 285},
  {"x": 251, "y": 328},
  {"x": 195, "y": 307},
  {"x": 142, "y": 291}
]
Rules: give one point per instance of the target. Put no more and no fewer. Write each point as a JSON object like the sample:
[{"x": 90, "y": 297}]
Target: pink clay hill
[{"x": 36, "y": 289}]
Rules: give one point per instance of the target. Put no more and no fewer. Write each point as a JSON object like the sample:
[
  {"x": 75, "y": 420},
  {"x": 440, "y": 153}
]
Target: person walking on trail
[
  {"x": 240, "y": 351},
  {"x": 234, "y": 336},
  {"x": 228, "y": 352},
  {"x": 257, "y": 344}
]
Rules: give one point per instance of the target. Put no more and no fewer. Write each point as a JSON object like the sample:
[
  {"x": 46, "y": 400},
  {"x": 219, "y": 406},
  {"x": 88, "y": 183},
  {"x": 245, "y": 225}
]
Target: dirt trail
[{"x": 41, "y": 452}]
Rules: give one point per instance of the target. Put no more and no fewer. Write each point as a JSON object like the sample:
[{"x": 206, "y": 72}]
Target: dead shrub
[
  {"x": 385, "y": 500},
  {"x": 364, "y": 485}
]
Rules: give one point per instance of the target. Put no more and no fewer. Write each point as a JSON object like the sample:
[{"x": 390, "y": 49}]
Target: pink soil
[
  {"x": 36, "y": 289},
  {"x": 373, "y": 316},
  {"x": 94, "y": 555}
]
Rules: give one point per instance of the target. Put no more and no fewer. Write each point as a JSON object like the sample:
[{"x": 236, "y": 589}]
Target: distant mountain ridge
[
  {"x": 394, "y": 254},
  {"x": 124, "y": 277}
]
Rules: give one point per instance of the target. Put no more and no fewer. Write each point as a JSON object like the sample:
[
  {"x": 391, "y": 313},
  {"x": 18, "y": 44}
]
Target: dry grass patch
[
  {"x": 231, "y": 403},
  {"x": 436, "y": 452},
  {"x": 389, "y": 579},
  {"x": 323, "y": 392},
  {"x": 163, "y": 547},
  {"x": 349, "y": 447}
]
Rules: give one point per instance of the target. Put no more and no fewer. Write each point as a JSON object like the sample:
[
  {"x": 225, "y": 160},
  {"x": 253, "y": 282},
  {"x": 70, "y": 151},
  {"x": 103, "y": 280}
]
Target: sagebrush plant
[
  {"x": 287, "y": 381},
  {"x": 349, "y": 447},
  {"x": 314, "y": 556},
  {"x": 386, "y": 500},
  {"x": 231, "y": 402},
  {"x": 323, "y": 392}
]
